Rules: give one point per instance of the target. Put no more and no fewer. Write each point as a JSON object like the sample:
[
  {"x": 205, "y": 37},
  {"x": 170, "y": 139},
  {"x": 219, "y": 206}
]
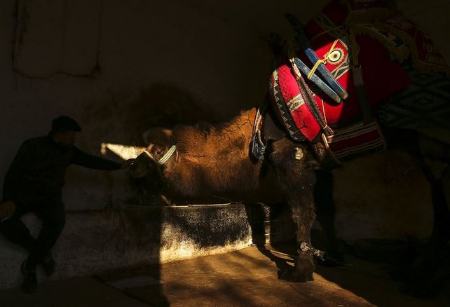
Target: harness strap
[
  {"x": 302, "y": 67},
  {"x": 258, "y": 148},
  {"x": 340, "y": 31},
  {"x": 166, "y": 157},
  {"x": 358, "y": 79},
  {"x": 313, "y": 58},
  {"x": 321, "y": 61},
  {"x": 309, "y": 99},
  {"x": 284, "y": 110}
]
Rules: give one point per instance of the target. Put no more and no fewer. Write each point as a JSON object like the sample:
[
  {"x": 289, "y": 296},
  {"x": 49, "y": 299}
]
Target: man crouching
[{"x": 34, "y": 184}]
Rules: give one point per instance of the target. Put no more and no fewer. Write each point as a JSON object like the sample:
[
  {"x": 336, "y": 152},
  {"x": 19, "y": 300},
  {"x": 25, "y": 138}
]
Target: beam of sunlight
[{"x": 125, "y": 152}]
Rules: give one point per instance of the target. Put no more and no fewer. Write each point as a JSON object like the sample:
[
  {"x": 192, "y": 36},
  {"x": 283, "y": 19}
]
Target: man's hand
[
  {"x": 127, "y": 163},
  {"x": 7, "y": 209}
]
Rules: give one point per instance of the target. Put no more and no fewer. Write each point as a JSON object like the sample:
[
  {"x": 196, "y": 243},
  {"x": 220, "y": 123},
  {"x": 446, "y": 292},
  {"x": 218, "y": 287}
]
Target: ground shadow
[
  {"x": 377, "y": 270},
  {"x": 140, "y": 232}
]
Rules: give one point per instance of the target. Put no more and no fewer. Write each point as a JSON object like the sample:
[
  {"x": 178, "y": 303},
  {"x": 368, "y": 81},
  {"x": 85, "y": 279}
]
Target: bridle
[{"x": 165, "y": 158}]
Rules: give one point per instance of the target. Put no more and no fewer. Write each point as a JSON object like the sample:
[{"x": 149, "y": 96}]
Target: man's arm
[
  {"x": 90, "y": 161},
  {"x": 21, "y": 163}
]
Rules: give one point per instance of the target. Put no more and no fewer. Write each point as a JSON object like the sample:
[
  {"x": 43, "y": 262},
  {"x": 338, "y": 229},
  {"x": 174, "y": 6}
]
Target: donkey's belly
[{"x": 249, "y": 187}]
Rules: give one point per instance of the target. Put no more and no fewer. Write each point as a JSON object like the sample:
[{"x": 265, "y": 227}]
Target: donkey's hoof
[
  {"x": 303, "y": 271},
  {"x": 293, "y": 275},
  {"x": 304, "y": 268},
  {"x": 301, "y": 276}
]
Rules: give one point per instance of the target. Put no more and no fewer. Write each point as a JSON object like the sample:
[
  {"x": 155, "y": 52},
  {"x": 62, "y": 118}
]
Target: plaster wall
[{"x": 122, "y": 66}]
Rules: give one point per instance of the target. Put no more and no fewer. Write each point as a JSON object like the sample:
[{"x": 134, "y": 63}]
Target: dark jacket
[{"x": 38, "y": 170}]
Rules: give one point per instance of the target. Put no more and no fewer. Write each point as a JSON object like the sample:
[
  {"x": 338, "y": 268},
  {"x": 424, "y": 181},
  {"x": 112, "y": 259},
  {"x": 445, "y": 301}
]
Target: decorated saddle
[{"x": 343, "y": 65}]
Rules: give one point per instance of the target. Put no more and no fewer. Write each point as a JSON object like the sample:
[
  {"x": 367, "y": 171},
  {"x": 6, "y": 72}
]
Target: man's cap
[{"x": 65, "y": 123}]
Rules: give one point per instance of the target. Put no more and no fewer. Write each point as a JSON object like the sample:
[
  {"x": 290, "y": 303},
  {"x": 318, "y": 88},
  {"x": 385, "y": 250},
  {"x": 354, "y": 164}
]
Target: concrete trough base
[{"x": 96, "y": 241}]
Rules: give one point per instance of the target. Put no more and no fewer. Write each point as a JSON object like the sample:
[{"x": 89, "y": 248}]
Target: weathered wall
[
  {"x": 132, "y": 64},
  {"x": 152, "y": 62}
]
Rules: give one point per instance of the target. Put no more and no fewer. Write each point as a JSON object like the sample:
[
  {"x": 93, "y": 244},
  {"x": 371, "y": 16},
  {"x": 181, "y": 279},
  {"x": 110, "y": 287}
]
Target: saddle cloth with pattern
[{"x": 382, "y": 72}]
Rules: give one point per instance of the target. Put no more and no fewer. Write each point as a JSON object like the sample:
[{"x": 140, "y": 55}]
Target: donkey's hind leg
[
  {"x": 429, "y": 268},
  {"x": 326, "y": 215},
  {"x": 435, "y": 159}
]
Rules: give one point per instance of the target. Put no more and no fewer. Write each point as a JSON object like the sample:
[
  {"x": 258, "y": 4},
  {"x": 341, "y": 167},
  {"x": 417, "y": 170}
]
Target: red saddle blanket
[{"x": 385, "y": 40}]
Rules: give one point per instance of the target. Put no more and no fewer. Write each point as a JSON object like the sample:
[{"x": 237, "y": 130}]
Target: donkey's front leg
[
  {"x": 302, "y": 207},
  {"x": 294, "y": 165}
]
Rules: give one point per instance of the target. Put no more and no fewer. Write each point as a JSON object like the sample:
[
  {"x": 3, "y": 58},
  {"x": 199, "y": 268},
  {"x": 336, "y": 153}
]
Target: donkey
[
  {"x": 375, "y": 81},
  {"x": 205, "y": 163}
]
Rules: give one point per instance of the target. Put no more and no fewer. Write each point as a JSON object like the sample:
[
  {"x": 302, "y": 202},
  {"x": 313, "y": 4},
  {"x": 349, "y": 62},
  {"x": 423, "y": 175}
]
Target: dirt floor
[{"x": 241, "y": 278}]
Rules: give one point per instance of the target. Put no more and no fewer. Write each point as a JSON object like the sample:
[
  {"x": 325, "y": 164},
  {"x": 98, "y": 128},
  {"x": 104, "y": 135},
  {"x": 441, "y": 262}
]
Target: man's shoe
[
  {"x": 29, "y": 284},
  {"x": 48, "y": 265}
]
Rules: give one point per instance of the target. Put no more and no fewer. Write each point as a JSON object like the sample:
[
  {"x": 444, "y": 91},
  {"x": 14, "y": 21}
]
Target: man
[{"x": 34, "y": 183}]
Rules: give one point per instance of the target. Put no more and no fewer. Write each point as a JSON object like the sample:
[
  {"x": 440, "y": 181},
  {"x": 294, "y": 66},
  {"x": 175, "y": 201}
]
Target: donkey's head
[{"x": 157, "y": 156}]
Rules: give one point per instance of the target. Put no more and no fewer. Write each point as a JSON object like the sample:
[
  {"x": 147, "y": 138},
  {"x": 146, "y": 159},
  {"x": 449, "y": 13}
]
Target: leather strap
[
  {"x": 307, "y": 94},
  {"x": 258, "y": 148},
  {"x": 284, "y": 110},
  {"x": 302, "y": 67},
  {"x": 318, "y": 63},
  {"x": 358, "y": 79},
  {"x": 166, "y": 157}
]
